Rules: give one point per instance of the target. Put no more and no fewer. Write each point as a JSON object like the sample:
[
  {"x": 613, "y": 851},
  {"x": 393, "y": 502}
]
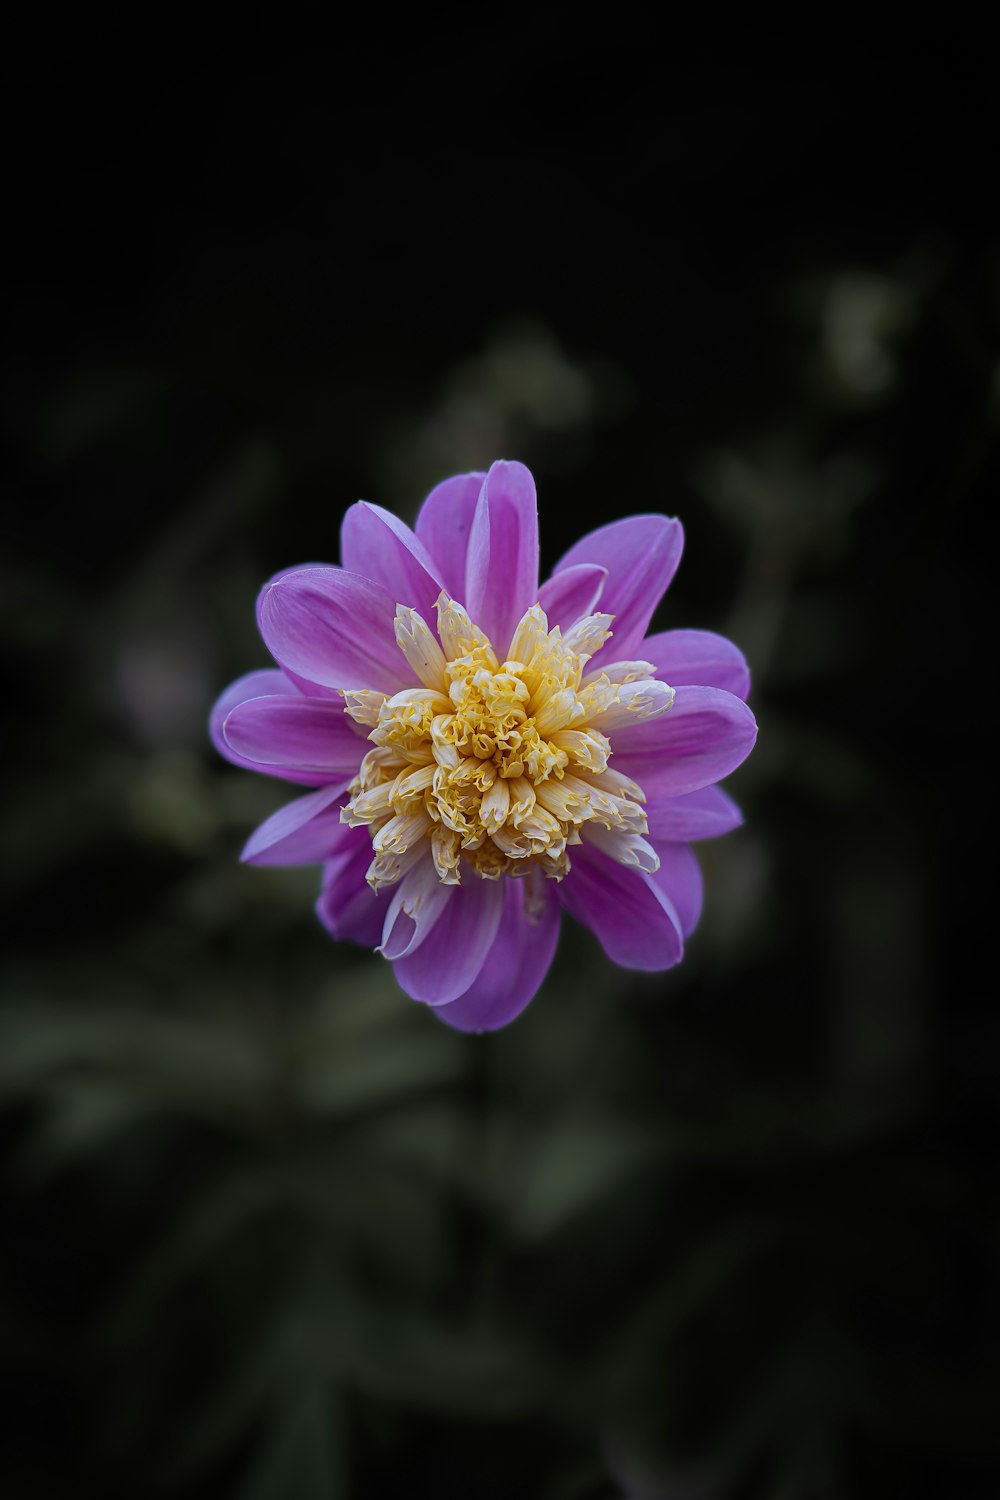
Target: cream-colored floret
[{"x": 499, "y": 768}]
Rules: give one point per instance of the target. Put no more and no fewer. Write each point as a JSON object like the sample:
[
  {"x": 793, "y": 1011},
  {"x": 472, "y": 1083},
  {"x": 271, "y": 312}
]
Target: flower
[{"x": 483, "y": 752}]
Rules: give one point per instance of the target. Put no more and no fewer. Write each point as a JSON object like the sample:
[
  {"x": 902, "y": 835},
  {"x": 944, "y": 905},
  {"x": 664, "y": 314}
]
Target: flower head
[{"x": 485, "y": 752}]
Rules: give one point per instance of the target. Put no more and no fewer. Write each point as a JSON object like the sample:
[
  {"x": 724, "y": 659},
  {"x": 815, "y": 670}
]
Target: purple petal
[
  {"x": 501, "y": 577},
  {"x": 698, "y": 657},
  {"x": 571, "y": 594},
  {"x": 310, "y": 689},
  {"x": 333, "y": 628},
  {"x": 641, "y": 555},
  {"x": 378, "y": 545},
  {"x": 444, "y": 525},
  {"x": 417, "y": 902},
  {"x": 705, "y": 814},
  {"x": 348, "y": 907},
  {"x": 679, "y": 879},
  {"x": 310, "y": 736},
  {"x": 705, "y": 735},
  {"x": 449, "y": 959},
  {"x": 516, "y": 964},
  {"x": 304, "y": 832},
  {"x": 268, "y": 683},
  {"x": 629, "y": 913}
]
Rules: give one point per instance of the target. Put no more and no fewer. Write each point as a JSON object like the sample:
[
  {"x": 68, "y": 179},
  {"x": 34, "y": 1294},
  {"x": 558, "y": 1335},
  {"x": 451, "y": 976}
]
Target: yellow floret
[{"x": 497, "y": 769}]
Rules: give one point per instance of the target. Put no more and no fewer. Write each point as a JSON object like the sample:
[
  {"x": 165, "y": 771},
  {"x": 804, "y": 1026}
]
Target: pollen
[{"x": 493, "y": 768}]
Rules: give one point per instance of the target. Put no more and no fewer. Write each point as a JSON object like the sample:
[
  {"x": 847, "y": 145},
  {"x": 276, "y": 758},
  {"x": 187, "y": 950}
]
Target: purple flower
[{"x": 484, "y": 752}]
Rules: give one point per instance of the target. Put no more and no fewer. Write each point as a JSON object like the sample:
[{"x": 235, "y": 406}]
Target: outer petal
[
  {"x": 348, "y": 907},
  {"x": 706, "y": 734},
  {"x": 705, "y": 814},
  {"x": 631, "y": 915},
  {"x": 501, "y": 576},
  {"x": 268, "y": 683},
  {"x": 304, "y": 832},
  {"x": 311, "y": 736},
  {"x": 641, "y": 555},
  {"x": 449, "y": 959},
  {"x": 417, "y": 902},
  {"x": 679, "y": 879},
  {"x": 571, "y": 594},
  {"x": 516, "y": 964},
  {"x": 378, "y": 545},
  {"x": 334, "y": 629},
  {"x": 444, "y": 526},
  {"x": 698, "y": 656},
  {"x": 310, "y": 689}
]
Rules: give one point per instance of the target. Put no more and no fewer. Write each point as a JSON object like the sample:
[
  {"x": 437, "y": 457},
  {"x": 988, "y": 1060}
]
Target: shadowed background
[{"x": 270, "y": 1229}]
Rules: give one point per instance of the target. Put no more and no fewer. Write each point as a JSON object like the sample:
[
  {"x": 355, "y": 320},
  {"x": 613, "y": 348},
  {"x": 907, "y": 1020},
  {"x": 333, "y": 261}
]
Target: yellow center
[{"x": 498, "y": 768}]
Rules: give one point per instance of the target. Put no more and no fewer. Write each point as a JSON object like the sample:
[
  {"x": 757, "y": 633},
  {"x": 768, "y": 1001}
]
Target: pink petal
[
  {"x": 706, "y": 734},
  {"x": 304, "y": 832},
  {"x": 515, "y": 965},
  {"x": 679, "y": 880},
  {"x": 629, "y": 913},
  {"x": 705, "y": 814},
  {"x": 310, "y": 689},
  {"x": 377, "y": 545},
  {"x": 267, "y": 683},
  {"x": 348, "y": 907},
  {"x": 310, "y": 736},
  {"x": 451, "y": 956},
  {"x": 641, "y": 555},
  {"x": 501, "y": 578},
  {"x": 571, "y": 594},
  {"x": 334, "y": 629},
  {"x": 698, "y": 657},
  {"x": 444, "y": 525},
  {"x": 426, "y": 897}
]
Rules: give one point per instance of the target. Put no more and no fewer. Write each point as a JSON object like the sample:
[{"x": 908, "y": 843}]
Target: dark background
[{"x": 270, "y": 1229}]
